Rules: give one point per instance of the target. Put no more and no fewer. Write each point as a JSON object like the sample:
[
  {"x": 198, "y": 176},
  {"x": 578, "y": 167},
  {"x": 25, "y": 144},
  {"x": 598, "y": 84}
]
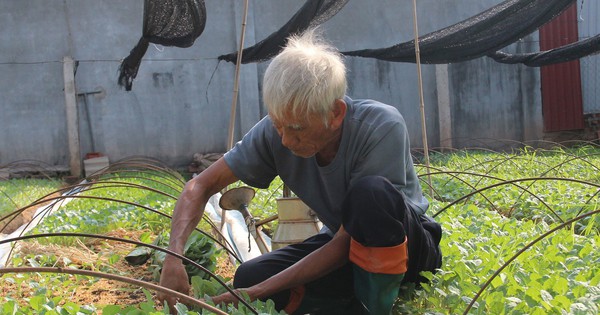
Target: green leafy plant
[
  {"x": 198, "y": 248},
  {"x": 491, "y": 206},
  {"x": 20, "y": 192}
]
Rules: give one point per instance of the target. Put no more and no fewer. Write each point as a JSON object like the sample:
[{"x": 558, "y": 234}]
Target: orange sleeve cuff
[
  {"x": 386, "y": 260},
  {"x": 296, "y": 296}
]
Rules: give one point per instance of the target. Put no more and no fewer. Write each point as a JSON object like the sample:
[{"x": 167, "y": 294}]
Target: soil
[{"x": 99, "y": 292}]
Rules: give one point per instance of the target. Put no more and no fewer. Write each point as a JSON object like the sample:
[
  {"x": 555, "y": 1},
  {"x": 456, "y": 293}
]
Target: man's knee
[
  {"x": 368, "y": 187},
  {"x": 245, "y": 275},
  {"x": 373, "y": 212},
  {"x": 370, "y": 194},
  {"x": 253, "y": 271}
]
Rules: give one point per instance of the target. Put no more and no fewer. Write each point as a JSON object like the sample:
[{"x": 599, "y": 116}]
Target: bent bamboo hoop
[
  {"x": 180, "y": 296},
  {"x": 195, "y": 264}
]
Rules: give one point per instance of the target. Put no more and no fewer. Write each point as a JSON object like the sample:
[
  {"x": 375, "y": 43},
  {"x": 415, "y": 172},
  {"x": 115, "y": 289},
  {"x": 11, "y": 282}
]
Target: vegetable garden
[{"x": 521, "y": 236}]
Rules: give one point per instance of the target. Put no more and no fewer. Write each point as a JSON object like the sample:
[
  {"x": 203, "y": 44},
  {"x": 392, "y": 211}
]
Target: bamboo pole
[
  {"x": 421, "y": 101},
  {"x": 236, "y": 82}
]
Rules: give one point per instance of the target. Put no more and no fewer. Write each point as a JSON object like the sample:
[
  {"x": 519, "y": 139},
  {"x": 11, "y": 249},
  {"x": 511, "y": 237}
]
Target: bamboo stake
[
  {"x": 236, "y": 84},
  {"x": 422, "y": 102},
  {"x": 237, "y": 78}
]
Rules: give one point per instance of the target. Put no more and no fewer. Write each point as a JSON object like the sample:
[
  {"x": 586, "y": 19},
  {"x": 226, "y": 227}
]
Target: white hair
[{"x": 306, "y": 77}]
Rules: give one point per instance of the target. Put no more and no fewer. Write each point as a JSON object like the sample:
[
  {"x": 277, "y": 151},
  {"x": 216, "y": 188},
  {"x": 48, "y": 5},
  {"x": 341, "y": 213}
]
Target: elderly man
[{"x": 349, "y": 160}]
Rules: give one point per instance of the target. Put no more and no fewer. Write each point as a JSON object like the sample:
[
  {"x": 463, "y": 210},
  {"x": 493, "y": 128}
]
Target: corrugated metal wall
[{"x": 561, "y": 83}]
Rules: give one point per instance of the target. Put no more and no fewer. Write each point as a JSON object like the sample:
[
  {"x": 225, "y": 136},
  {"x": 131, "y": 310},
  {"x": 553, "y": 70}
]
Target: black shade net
[
  {"x": 481, "y": 35},
  {"x": 564, "y": 53},
  {"x": 180, "y": 22},
  {"x": 477, "y": 36},
  {"x": 311, "y": 14},
  {"x": 168, "y": 23}
]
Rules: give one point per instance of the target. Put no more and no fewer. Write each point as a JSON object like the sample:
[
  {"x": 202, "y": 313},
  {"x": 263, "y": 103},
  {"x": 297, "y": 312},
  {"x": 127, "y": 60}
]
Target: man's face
[{"x": 304, "y": 137}]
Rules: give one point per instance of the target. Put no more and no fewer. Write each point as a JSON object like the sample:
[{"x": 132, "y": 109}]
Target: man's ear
[{"x": 338, "y": 114}]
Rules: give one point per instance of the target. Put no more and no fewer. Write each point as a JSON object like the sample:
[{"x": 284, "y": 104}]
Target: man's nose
[{"x": 287, "y": 139}]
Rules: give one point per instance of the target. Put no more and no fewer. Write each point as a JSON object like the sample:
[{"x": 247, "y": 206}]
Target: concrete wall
[
  {"x": 504, "y": 108},
  {"x": 181, "y": 100},
  {"x": 589, "y": 25}
]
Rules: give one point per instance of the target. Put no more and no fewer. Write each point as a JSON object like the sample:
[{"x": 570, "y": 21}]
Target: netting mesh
[
  {"x": 481, "y": 35},
  {"x": 180, "y": 22},
  {"x": 565, "y": 53},
  {"x": 174, "y": 22},
  {"x": 311, "y": 14},
  {"x": 478, "y": 36},
  {"x": 168, "y": 23}
]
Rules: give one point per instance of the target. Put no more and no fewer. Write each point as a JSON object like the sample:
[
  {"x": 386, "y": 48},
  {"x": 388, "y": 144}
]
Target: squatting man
[{"x": 349, "y": 160}]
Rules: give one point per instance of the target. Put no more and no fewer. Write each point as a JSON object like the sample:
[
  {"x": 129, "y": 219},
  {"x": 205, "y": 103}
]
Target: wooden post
[
  {"x": 444, "y": 112},
  {"x": 72, "y": 116}
]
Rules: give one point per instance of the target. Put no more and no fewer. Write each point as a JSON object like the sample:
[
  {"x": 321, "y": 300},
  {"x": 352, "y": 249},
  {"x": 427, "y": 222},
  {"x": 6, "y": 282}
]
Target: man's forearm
[
  {"x": 186, "y": 215},
  {"x": 190, "y": 205}
]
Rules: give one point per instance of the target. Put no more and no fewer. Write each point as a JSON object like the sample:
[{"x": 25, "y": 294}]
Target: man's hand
[
  {"x": 228, "y": 298},
  {"x": 174, "y": 277}
]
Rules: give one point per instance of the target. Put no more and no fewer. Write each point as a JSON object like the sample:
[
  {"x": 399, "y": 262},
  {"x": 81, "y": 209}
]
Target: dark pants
[{"x": 374, "y": 214}]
